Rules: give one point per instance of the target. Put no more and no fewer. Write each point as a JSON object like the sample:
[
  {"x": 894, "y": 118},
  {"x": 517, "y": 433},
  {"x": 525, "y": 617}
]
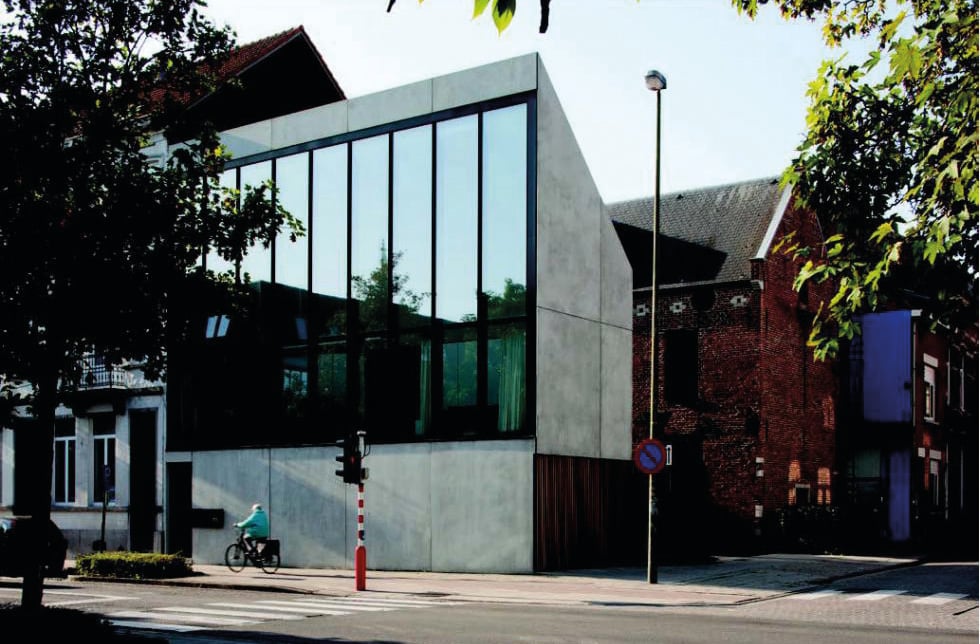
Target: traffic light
[{"x": 350, "y": 459}]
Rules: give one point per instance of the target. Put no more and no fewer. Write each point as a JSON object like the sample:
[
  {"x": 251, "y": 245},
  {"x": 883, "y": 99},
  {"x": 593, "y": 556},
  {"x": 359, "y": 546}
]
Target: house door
[
  {"x": 142, "y": 479},
  {"x": 178, "y": 537}
]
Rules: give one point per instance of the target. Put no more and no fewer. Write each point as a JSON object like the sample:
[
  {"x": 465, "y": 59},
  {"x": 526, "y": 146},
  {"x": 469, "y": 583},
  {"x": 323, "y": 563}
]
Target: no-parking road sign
[{"x": 650, "y": 456}]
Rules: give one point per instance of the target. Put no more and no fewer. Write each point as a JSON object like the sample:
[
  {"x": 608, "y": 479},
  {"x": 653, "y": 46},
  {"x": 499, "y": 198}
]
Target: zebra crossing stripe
[
  {"x": 305, "y": 607},
  {"x": 938, "y": 599},
  {"x": 379, "y": 601},
  {"x": 819, "y": 594},
  {"x": 877, "y": 595},
  {"x": 194, "y": 619},
  {"x": 180, "y": 628},
  {"x": 254, "y": 614},
  {"x": 282, "y": 609},
  {"x": 338, "y": 605}
]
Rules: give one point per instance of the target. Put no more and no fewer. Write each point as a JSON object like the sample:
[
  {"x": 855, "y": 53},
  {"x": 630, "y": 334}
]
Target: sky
[{"x": 734, "y": 108}]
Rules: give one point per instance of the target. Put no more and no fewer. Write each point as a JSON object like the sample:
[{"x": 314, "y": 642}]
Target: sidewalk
[{"x": 728, "y": 581}]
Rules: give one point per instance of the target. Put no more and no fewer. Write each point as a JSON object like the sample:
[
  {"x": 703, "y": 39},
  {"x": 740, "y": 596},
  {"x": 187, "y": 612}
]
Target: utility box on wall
[{"x": 207, "y": 518}]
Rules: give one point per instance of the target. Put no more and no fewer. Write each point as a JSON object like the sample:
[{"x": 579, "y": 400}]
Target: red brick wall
[
  {"x": 761, "y": 395},
  {"x": 798, "y": 393}
]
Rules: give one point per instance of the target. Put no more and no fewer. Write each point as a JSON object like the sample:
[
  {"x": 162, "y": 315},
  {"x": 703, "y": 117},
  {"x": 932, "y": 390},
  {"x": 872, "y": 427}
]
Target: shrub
[{"x": 133, "y": 565}]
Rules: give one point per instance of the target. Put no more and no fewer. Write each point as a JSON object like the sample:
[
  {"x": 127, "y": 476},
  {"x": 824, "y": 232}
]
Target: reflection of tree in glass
[
  {"x": 508, "y": 304},
  {"x": 372, "y": 292}
]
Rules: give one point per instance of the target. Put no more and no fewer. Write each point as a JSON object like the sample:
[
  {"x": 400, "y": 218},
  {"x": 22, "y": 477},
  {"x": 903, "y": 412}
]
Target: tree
[
  {"x": 889, "y": 162},
  {"x": 99, "y": 244}
]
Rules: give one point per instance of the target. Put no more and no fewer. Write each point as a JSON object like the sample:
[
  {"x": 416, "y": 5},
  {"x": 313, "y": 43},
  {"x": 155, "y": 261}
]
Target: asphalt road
[{"x": 921, "y": 604}]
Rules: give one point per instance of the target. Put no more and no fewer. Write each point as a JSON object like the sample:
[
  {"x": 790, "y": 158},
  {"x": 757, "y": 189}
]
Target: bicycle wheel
[
  {"x": 235, "y": 558},
  {"x": 269, "y": 563}
]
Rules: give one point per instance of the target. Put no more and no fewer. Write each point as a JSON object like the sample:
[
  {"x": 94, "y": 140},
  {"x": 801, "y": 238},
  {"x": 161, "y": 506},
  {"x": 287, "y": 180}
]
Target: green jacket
[{"x": 256, "y": 525}]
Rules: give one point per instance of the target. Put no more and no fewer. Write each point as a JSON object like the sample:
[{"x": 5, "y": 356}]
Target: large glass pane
[
  {"x": 412, "y": 226},
  {"x": 369, "y": 230},
  {"x": 505, "y": 210},
  {"x": 292, "y": 180},
  {"x": 506, "y": 376},
  {"x": 395, "y": 383},
  {"x": 456, "y": 218},
  {"x": 257, "y": 263},
  {"x": 329, "y": 234},
  {"x": 459, "y": 368},
  {"x": 214, "y": 261},
  {"x": 331, "y": 374},
  {"x": 330, "y": 221}
]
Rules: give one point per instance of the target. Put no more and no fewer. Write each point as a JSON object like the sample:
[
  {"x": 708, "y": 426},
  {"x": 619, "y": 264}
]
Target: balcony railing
[{"x": 98, "y": 375}]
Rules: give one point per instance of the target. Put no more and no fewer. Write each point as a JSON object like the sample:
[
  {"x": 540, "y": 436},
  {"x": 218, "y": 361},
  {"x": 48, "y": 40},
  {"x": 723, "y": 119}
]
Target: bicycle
[{"x": 263, "y": 554}]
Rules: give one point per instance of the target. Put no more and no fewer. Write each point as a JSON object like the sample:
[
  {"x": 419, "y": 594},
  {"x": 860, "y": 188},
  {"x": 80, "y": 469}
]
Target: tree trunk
[{"x": 38, "y": 497}]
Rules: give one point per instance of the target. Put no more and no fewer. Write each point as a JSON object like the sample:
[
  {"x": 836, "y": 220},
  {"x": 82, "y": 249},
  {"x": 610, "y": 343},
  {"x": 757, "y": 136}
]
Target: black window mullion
[
  {"x": 353, "y": 338},
  {"x": 392, "y": 315},
  {"x": 481, "y": 299},
  {"x": 272, "y": 242},
  {"x": 435, "y": 359}
]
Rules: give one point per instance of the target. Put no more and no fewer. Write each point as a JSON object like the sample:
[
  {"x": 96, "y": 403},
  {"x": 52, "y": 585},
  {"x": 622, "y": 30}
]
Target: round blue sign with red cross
[{"x": 650, "y": 456}]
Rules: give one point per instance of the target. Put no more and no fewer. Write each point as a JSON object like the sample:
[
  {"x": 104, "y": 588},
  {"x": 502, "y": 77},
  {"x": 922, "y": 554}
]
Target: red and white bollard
[{"x": 360, "y": 553}]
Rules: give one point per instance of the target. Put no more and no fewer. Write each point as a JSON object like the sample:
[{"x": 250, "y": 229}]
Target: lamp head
[{"x": 656, "y": 81}]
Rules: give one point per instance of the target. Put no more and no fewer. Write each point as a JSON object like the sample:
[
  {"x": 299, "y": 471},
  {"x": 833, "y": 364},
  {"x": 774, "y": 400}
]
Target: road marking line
[
  {"x": 406, "y": 602},
  {"x": 819, "y": 594},
  {"x": 877, "y": 595},
  {"x": 323, "y": 603},
  {"x": 365, "y": 601},
  {"x": 309, "y": 609},
  {"x": 155, "y": 626},
  {"x": 194, "y": 619},
  {"x": 938, "y": 599},
  {"x": 283, "y": 609},
  {"x": 228, "y": 613}
]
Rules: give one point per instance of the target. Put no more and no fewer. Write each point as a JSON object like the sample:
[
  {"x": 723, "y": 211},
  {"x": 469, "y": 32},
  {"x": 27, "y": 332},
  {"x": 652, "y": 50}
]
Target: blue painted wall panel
[{"x": 887, "y": 344}]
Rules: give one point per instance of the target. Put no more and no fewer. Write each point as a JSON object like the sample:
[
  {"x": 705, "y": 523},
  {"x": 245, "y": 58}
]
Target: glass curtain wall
[{"x": 403, "y": 310}]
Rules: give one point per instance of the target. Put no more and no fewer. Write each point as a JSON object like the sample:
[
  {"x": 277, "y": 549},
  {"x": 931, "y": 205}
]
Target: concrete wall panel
[
  {"x": 486, "y": 82},
  {"x": 569, "y": 214},
  {"x": 309, "y": 507},
  {"x": 617, "y": 381},
  {"x": 315, "y": 123},
  {"x": 231, "y": 481},
  {"x": 616, "y": 277},
  {"x": 398, "y": 507},
  {"x": 568, "y": 385},
  {"x": 482, "y": 506},
  {"x": 390, "y": 105},
  {"x": 248, "y": 139}
]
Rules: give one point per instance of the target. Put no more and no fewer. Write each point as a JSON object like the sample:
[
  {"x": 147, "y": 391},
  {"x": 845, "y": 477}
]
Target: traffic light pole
[
  {"x": 360, "y": 553},
  {"x": 354, "y": 449}
]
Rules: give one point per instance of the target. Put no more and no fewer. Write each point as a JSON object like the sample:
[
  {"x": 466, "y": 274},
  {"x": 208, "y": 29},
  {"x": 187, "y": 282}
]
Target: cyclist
[{"x": 256, "y": 526}]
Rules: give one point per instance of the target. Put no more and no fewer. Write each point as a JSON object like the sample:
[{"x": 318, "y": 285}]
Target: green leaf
[
  {"x": 881, "y": 232},
  {"x": 503, "y": 13},
  {"x": 478, "y": 7}
]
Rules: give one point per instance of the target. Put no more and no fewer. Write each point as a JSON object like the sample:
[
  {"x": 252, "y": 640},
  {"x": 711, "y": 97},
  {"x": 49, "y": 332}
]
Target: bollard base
[{"x": 360, "y": 568}]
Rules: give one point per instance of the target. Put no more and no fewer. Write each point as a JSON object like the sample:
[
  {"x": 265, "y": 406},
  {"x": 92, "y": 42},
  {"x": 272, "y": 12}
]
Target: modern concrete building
[{"x": 461, "y": 296}]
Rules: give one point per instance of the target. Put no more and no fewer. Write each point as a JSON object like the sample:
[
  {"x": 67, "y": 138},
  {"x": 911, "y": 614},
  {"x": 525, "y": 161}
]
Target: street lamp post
[{"x": 655, "y": 82}]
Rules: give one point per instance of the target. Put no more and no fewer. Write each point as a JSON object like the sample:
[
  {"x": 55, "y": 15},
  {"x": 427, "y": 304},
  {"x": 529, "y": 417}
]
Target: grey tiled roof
[{"x": 732, "y": 219}]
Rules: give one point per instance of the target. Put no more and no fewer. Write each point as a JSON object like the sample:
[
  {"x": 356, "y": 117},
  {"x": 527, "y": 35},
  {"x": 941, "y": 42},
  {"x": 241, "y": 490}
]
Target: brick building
[{"x": 748, "y": 414}]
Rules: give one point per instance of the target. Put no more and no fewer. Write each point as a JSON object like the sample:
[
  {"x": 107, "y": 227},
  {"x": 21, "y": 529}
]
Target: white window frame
[
  {"x": 68, "y": 445},
  {"x": 929, "y": 387}
]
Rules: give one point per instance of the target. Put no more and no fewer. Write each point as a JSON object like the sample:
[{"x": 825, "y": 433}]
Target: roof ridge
[{"x": 759, "y": 180}]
